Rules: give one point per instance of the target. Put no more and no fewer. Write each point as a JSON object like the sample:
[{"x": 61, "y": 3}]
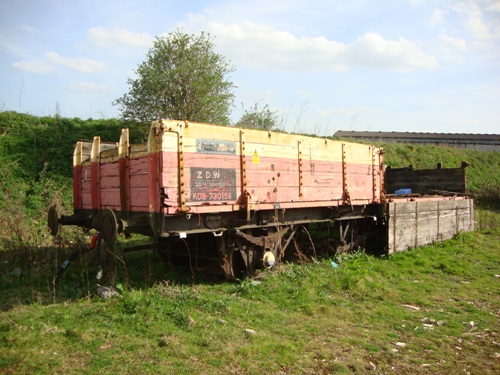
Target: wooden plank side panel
[
  {"x": 110, "y": 169},
  {"x": 425, "y": 180},
  {"x": 404, "y": 225},
  {"x": 420, "y": 223},
  {"x": 272, "y": 179},
  {"x": 447, "y": 224},
  {"x": 138, "y": 151},
  {"x": 169, "y": 180},
  {"x": 358, "y": 153},
  {"x": 277, "y": 179},
  {"x": 359, "y": 181},
  {"x": 86, "y": 187},
  {"x": 86, "y": 197},
  {"x": 427, "y": 226},
  {"x": 195, "y": 130},
  {"x": 139, "y": 199},
  {"x": 322, "y": 180},
  {"x": 465, "y": 215},
  {"x": 139, "y": 166},
  {"x": 271, "y": 151},
  {"x": 110, "y": 199},
  {"x": 109, "y": 155},
  {"x": 317, "y": 150},
  {"x": 139, "y": 182},
  {"x": 109, "y": 183},
  {"x": 271, "y": 164}
]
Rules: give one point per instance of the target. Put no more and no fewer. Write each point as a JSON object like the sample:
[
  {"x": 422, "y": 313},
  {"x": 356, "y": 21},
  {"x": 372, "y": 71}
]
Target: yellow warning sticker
[{"x": 255, "y": 157}]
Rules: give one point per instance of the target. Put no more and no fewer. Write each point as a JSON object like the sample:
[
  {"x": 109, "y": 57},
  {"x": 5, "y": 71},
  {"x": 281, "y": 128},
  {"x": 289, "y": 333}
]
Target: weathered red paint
[
  {"x": 95, "y": 182},
  {"x": 77, "y": 187},
  {"x": 274, "y": 179},
  {"x": 124, "y": 183},
  {"x": 154, "y": 191}
]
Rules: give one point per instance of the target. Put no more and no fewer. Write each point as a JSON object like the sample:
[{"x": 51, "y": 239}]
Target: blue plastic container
[{"x": 403, "y": 191}]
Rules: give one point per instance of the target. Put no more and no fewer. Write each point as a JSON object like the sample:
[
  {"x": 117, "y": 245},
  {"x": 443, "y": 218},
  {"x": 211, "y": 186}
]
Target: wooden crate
[{"x": 421, "y": 222}]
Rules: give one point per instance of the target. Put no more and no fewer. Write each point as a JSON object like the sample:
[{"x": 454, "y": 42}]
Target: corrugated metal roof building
[{"x": 481, "y": 142}]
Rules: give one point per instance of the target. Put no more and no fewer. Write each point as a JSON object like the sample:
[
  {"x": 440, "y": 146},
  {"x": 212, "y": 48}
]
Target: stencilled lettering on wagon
[{"x": 213, "y": 184}]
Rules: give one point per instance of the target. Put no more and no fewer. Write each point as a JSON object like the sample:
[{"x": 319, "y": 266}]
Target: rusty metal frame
[
  {"x": 374, "y": 174},
  {"x": 346, "y": 197},
  {"x": 301, "y": 181},
  {"x": 180, "y": 171},
  {"x": 245, "y": 196}
]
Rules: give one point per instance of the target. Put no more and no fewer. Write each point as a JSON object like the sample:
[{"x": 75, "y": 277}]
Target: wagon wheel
[{"x": 108, "y": 227}]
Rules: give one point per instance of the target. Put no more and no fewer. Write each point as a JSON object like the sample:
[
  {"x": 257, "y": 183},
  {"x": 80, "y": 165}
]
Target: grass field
[{"x": 434, "y": 309}]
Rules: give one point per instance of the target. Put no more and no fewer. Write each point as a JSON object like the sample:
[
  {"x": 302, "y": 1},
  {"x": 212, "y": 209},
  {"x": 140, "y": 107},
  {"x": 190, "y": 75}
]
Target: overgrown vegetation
[
  {"x": 35, "y": 165},
  {"x": 433, "y": 309}
]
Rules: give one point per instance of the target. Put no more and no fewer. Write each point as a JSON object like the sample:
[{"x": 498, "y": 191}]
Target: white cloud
[
  {"x": 475, "y": 20},
  {"x": 375, "y": 52},
  {"x": 38, "y": 67},
  {"x": 262, "y": 46},
  {"x": 81, "y": 64},
  {"x": 88, "y": 86},
  {"x": 436, "y": 18},
  {"x": 118, "y": 37},
  {"x": 494, "y": 6},
  {"x": 450, "y": 47}
]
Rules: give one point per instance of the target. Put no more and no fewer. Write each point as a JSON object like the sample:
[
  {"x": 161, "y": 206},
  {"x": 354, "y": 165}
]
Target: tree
[
  {"x": 182, "y": 78},
  {"x": 259, "y": 118}
]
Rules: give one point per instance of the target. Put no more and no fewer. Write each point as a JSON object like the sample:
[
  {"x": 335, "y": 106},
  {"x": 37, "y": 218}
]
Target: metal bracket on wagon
[{"x": 265, "y": 241}]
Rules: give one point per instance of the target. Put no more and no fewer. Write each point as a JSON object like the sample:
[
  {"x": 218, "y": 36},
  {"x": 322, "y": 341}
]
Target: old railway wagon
[{"x": 237, "y": 197}]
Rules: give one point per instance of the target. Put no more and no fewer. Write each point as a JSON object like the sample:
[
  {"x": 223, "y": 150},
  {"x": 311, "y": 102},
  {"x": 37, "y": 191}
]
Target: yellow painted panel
[{"x": 265, "y": 143}]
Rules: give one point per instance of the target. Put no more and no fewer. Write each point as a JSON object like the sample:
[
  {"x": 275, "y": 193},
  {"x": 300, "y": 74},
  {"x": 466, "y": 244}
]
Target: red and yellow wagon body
[
  {"x": 248, "y": 189},
  {"x": 198, "y": 168}
]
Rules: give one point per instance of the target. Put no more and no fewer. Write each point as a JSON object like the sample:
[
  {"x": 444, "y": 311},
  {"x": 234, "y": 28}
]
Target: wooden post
[
  {"x": 95, "y": 175},
  {"x": 124, "y": 171},
  {"x": 154, "y": 149},
  {"x": 77, "y": 177}
]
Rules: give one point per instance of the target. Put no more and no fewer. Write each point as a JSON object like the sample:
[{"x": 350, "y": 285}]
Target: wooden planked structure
[
  {"x": 246, "y": 188},
  {"x": 195, "y": 167},
  {"x": 424, "y": 181},
  {"x": 420, "y": 222}
]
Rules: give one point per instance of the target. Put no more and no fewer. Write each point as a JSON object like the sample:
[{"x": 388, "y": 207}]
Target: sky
[{"x": 321, "y": 65}]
